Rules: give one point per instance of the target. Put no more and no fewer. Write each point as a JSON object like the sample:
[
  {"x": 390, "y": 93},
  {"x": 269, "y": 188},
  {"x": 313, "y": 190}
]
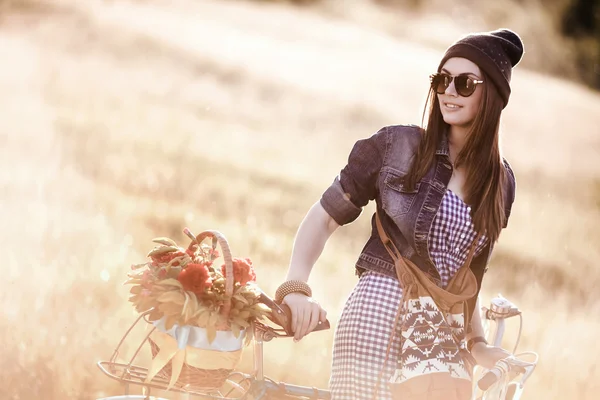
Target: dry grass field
[{"x": 122, "y": 121}]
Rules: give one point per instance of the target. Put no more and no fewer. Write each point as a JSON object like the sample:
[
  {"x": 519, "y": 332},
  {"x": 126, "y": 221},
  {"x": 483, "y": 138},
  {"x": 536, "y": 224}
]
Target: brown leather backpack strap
[
  {"x": 403, "y": 271},
  {"x": 466, "y": 266},
  {"x": 385, "y": 239},
  {"x": 472, "y": 250}
]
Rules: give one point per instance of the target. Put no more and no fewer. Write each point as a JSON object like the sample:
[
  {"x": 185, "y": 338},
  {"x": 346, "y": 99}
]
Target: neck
[{"x": 457, "y": 137}]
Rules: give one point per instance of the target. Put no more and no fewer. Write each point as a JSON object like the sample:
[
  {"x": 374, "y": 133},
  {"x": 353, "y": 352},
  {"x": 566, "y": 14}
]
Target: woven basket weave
[{"x": 196, "y": 377}]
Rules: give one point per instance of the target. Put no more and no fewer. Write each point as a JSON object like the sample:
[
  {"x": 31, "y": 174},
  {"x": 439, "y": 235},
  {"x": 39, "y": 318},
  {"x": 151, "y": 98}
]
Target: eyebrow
[{"x": 464, "y": 73}]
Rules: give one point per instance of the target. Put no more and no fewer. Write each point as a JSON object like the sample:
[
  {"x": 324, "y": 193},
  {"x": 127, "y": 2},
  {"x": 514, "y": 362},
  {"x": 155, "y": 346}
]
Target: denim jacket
[{"x": 374, "y": 171}]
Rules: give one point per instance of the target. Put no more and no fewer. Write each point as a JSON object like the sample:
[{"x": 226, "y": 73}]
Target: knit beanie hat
[{"x": 495, "y": 52}]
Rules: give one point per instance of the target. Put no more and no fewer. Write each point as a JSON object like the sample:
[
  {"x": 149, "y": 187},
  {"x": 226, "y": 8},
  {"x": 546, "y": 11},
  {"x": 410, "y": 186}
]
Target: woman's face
[{"x": 458, "y": 110}]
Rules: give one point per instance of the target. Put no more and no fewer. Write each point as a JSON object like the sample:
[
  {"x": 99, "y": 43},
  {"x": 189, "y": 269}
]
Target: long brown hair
[{"x": 485, "y": 172}]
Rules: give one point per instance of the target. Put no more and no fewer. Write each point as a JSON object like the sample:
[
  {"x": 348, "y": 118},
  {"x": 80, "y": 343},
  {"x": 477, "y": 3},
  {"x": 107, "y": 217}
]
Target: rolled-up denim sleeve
[{"x": 356, "y": 184}]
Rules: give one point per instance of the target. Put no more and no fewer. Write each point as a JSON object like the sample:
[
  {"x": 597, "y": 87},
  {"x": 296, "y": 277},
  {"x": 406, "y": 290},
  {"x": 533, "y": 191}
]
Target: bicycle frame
[{"x": 256, "y": 386}]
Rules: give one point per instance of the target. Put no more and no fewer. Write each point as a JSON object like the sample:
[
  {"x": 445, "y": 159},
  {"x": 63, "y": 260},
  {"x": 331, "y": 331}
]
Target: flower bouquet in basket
[{"x": 202, "y": 313}]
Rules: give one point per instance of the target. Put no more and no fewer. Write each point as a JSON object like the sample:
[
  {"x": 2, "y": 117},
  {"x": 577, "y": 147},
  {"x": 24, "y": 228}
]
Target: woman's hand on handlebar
[
  {"x": 306, "y": 314},
  {"x": 487, "y": 355}
]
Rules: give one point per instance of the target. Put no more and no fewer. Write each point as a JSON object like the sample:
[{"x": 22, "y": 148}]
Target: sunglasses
[{"x": 464, "y": 84}]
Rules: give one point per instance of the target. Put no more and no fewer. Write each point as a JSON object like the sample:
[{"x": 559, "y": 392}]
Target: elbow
[
  {"x": 331, "y": 225},
  {"x": 327, "y": 220}
]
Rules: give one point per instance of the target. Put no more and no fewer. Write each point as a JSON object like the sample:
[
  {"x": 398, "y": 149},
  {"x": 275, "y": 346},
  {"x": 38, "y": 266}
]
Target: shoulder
[
  {"x": 390, "y": 144},
  {"x": 402, "y": 144},
  {"x": 410, "y": 134},
  {"x": 406, "y": 136},
  {"x": 406, "y": 132},
  {"x": 511, "y": 181}
]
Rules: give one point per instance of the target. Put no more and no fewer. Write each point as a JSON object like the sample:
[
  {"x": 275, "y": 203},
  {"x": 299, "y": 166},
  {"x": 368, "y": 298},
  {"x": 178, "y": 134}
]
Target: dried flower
[
  {"x": 166, "y": 258},
  {"x": 147, "y": 279},
  {"x": 243, "y": 271},
  {"x": 195, "y": 278}
]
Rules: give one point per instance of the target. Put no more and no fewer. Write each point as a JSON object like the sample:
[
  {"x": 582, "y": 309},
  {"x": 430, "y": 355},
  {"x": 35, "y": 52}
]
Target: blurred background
[{"x": 125, "y": 120}]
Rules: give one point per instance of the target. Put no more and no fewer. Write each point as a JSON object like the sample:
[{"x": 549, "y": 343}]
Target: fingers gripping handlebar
[{"x": 282, "y": 316}]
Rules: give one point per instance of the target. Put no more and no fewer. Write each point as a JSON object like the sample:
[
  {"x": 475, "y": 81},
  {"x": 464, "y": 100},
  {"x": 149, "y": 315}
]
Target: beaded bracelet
[{"x": 293, "y": 286}]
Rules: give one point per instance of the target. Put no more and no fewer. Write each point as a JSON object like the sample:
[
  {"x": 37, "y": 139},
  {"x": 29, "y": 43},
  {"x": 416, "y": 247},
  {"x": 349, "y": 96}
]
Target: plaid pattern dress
[{"x": 363, "y": 331}]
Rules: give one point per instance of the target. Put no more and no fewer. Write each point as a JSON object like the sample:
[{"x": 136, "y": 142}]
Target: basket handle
[{"x": 217, "y": 238}]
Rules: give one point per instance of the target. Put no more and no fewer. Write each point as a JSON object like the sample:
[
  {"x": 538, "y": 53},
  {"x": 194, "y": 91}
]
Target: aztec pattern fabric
[{"x": 429, "y": 346}]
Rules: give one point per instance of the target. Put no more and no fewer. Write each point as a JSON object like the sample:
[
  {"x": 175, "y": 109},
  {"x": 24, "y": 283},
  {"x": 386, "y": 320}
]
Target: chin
[{"x": 456, "y": 120}]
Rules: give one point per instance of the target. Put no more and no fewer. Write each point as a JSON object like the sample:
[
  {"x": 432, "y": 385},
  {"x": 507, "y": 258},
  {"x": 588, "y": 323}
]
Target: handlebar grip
[
  {"x": 282, "y": 315},
  {"x": 489, "y": 379},
  {"x": 505, "y": 368}
]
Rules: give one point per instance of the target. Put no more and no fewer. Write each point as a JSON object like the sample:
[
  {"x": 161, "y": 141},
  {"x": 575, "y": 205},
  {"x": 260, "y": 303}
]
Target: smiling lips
[{"x": 452, "y": 106}]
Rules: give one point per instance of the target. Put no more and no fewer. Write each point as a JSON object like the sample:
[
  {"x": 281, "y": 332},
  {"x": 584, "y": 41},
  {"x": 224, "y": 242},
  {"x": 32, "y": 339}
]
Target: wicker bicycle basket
[
  {"x": 191, "y": 375},
  {"x": 196, "y": 377}
]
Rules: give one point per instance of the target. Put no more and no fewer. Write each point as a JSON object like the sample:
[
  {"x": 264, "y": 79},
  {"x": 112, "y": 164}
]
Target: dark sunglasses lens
[
  {"x": 440, "y": 82},
  {"x": 464, "y": 85}
]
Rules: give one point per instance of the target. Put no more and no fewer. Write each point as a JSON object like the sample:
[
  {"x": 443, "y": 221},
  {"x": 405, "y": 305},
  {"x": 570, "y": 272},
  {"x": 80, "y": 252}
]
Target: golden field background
[{"x": 123, "y": 121}]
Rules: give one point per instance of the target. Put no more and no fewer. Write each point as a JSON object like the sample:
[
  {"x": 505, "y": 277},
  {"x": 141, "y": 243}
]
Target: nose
[{"x": 451, "y": 90}]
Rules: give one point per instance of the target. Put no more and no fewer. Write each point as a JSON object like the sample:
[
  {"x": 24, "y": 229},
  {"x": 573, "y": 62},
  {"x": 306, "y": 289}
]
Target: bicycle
[{"x": 496, "y": 384}]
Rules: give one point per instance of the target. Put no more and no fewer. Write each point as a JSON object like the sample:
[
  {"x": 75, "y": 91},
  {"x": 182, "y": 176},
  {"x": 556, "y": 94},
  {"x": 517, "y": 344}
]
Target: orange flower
[
  {"x": 243, "y": 271},
  {"x": 195, "y": 278}
]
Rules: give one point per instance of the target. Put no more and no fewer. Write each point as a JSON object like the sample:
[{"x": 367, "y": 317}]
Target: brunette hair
[{"x": 481, "y": 156}]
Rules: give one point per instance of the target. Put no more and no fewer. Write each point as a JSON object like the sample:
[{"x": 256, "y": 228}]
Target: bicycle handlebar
[
  {"x": 489, "y": 379},
  {"x": 503, "y": 367},
  {"x": 282, "y": 316}
]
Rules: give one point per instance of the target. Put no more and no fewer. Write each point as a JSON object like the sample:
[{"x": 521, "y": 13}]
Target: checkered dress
[{"x": 363, "y": 332}]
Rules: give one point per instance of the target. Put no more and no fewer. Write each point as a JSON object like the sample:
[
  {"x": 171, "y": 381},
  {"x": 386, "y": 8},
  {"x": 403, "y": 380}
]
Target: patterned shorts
[{"x": 361, "y": 340}]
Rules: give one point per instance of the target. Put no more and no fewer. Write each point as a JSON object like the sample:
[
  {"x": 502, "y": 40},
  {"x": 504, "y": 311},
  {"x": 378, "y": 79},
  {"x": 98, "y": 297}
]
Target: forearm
[
  {"x": 485, "y": 355},
  {"x": 476, "y": 323},
  {"x": 313, "y": 233}
]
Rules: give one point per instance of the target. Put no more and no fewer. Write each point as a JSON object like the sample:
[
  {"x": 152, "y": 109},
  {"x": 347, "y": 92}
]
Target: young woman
[{"x": 435, "y": 188}]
